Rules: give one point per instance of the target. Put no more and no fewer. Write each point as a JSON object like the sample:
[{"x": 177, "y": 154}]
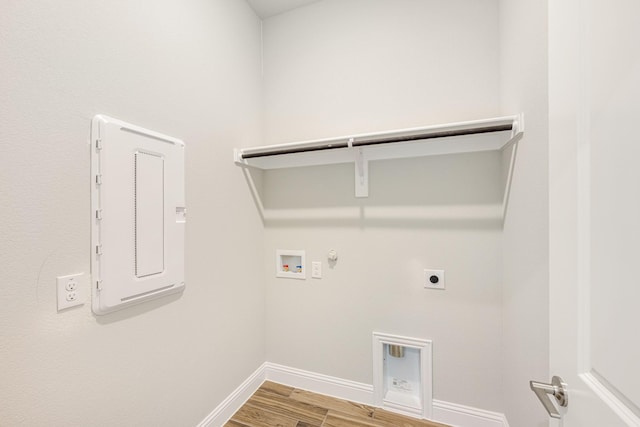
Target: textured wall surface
[
  {"x": 192, "y": 70},
  {"x": 189, "y": 69},
  {"x": 344, "y": 67}
]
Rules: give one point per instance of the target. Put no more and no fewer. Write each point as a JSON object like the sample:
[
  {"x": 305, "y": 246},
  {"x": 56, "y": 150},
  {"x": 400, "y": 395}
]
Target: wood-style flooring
[{"x": 276, "y": 405}]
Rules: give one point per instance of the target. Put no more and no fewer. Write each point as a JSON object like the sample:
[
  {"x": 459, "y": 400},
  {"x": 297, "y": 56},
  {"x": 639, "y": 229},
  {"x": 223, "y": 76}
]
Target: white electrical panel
[{"x": 138, "y": 214}]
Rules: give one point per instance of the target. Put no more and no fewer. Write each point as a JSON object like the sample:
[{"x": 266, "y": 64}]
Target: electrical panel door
[{"x": 138, "y": 214}]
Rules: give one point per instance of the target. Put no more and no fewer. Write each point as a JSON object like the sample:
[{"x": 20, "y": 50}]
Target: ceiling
[{"x": 266, "y": 8}]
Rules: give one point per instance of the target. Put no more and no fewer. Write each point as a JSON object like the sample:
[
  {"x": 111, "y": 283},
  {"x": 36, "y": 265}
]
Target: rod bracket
[{"x": 362, "y": 174}]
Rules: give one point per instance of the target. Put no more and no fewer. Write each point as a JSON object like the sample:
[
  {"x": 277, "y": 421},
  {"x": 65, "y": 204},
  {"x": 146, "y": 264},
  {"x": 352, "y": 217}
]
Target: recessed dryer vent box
[
  {"x": 138, "y": 214},
  {"x": 402, "y": 375},
  {"x": 290, "y": 264}
]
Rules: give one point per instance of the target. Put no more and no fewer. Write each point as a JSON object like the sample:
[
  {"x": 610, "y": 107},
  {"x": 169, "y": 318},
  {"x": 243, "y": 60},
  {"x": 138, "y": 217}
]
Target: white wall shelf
[{"x": 463, "y": 137}]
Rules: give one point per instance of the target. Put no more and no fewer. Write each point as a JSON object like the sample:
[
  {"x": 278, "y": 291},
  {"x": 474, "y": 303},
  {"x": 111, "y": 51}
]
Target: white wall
[
  {"x": 350, "y": 66},
  {"x": 524, "y": 87},
  {"x": 189, "y": 69},
  {"x": 341, "y": 67}
]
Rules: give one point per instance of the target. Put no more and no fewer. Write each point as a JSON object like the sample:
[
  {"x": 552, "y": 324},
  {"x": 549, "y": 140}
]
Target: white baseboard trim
[
  {"x": 465, "y": 416},
  {"x": 322, "y": 384},
  {"x": 443, "y": 412},
  {"x": 229, "y": 406}
]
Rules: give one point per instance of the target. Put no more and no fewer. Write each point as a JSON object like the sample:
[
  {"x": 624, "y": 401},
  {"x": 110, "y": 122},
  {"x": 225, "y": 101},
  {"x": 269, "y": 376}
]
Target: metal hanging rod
[
  {"x": 278, "y": 151},
  {"x": 368, "y": 141}
]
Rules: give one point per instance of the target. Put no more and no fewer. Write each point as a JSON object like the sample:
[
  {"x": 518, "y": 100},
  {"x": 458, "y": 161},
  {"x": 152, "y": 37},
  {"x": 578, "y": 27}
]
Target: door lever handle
[{"x": 557, "y": 389}]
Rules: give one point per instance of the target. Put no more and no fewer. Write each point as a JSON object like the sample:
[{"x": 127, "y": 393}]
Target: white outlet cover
[
  {"x": 431, "y": 276},
  {"x": 70, "y": 291},
  {"x": 316, "y": 270}
]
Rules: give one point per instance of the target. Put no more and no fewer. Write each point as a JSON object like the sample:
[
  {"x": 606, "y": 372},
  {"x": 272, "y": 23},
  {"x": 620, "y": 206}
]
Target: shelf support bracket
[
  {"x": 362, "y": 174},
  {"x": 516, "y": 135}
]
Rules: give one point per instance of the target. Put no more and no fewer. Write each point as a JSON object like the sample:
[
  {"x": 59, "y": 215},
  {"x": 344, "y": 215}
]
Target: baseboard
[
  {"x": 465, "y": 416},
  {"x": 444, "y": 412},
  {"x": 322, "y": 384},
  {"x": 219, "y": 416}
]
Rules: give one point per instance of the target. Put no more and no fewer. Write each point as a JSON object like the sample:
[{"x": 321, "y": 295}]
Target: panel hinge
[
  {"x": 99, "y": 144},
  {"x": 98, "y": 249},
  {"x": 99, "y": 214},
  {"x": 99, "y": 285},
  {"x": 99, "y": 179}
]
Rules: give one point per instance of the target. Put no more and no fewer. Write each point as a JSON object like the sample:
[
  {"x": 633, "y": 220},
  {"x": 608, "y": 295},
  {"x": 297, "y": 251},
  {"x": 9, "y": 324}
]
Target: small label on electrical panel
[{"x": 401, "y": 385}]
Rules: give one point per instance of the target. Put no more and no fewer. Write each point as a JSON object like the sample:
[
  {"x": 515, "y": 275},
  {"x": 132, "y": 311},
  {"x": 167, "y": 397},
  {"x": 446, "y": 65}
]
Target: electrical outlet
[
  {"x": 71, "y": 284},
  {"x": 316, "y": 270},
  {"x": 434, "y": 279},
  {"x": 69, "y": 291}
]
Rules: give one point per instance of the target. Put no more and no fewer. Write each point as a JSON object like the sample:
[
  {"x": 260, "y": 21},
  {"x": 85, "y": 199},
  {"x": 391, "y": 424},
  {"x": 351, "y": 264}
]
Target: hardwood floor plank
[
  {"x": 281, "y": 405},
  {"x": 282, "y": 390},
  {"x": 332, "y": 403},
  {"x": 251, "y": 416},
  {"x": 338, "y": 419},
  {"x": 277, "y": 405}
]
